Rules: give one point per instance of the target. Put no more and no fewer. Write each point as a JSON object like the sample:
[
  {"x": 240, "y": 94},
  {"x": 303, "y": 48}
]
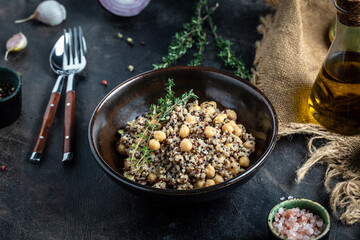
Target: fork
[{"x": 74, "y": 61}]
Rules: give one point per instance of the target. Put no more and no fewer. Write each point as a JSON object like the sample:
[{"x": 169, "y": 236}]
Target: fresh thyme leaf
[
  {"x": 191, "y": 35},
  {"x": 158, "y": 113},
  {"x": 194, "y": 35},
  {"x": 227, "y": 54}
]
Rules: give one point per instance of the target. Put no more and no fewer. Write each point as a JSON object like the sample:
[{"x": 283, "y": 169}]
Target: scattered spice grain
[
  {"x": 130, "y": 41},
  {"x": 6, "y": 89},
  {"x": 3, "y": 168},
  {"x": 104, "y": 82},
  {"x": 131, "y": 68}
]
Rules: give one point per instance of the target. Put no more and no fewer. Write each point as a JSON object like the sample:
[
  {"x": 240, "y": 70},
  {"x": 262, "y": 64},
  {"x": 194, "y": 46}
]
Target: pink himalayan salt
[{"x": 296, "y": 224}]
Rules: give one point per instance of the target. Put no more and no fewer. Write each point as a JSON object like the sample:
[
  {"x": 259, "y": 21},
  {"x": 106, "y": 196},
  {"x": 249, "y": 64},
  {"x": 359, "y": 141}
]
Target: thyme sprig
[
  {"x": 194, "y": 35},
  {"x": 227, "y": 54},
  {"x": 158, "y": 113}
]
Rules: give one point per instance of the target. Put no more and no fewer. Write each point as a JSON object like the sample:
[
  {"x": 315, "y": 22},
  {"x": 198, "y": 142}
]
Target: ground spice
[{"x": 6, "y": 89}]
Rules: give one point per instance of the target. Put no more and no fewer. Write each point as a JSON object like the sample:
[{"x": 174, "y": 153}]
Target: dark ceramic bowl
[
  {"x": 301, "y": 203},
  {"x": 10, "y": 106},
  {"x": 133, "y": 98}
]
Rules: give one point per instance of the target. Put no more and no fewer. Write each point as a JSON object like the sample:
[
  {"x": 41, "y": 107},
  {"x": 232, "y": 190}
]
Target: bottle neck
[{"x": 347, "y": 38}]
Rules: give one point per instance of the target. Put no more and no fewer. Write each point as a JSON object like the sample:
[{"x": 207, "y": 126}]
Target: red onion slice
[{"x": 125, "y": 8}]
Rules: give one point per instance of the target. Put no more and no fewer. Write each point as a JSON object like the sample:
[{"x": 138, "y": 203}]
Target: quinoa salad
[{"x": 193, "y": 146}]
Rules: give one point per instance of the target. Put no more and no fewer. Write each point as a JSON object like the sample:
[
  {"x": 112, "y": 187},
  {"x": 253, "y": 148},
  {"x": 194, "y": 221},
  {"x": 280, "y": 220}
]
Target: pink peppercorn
[
  {"x": 3, "y": 168},
  {"x": 104, "y": 82}
]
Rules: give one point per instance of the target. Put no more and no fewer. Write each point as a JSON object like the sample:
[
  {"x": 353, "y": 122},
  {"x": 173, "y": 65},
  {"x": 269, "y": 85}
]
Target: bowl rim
[
  {"x": 18, "y": 85},
  {"x": 175, "y": 192},
  {"x": 318, "y": 205}
]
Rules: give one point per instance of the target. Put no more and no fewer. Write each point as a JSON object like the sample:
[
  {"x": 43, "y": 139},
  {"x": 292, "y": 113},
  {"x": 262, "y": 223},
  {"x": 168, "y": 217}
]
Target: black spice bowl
[
  {"x": 133, "y": 98},
  {"x": 10, "y": 101}
]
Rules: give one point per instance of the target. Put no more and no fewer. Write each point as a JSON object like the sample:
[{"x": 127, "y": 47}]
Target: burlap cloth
[{"x": 288, "y": 58}]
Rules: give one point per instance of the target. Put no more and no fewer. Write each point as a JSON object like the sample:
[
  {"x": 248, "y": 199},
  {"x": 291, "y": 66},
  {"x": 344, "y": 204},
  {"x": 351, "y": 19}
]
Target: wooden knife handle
[{"x": 46, "y": 124}]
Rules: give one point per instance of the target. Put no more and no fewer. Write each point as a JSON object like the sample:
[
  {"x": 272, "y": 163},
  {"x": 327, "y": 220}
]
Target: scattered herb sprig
[
  {"x": 158, "y": 113},
  {"x": 194, "y": 34},
  {"x": 227, "y": 54}
]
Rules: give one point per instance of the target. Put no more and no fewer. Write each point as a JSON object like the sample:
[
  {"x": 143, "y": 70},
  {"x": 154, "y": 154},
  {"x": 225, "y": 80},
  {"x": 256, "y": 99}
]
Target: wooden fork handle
[{"x": 68, "y": 136}]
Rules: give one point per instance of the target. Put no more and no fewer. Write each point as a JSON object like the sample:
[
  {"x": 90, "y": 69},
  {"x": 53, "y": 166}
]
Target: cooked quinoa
[{"x": 195, "y": 146}]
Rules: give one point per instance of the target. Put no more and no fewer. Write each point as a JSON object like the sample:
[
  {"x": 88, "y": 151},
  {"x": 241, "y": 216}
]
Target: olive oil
[{"x": 335, "y": 96}]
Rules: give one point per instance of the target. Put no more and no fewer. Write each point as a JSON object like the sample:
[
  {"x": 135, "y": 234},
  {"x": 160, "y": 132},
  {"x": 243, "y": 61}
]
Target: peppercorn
[
  {"x": 6, "y": 89},
  {"x": 104, "y": 82}
]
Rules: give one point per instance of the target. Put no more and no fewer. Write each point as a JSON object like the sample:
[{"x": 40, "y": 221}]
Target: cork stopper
[{"x": 348, "y": 12}]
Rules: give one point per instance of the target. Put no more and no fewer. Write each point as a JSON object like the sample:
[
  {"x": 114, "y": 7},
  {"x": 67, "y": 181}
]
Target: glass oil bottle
[{"x": 335, "y": 96}]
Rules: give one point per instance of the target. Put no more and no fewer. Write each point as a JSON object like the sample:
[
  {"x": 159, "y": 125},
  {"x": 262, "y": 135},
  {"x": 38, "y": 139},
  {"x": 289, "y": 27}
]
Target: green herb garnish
[
  {"x": 158, "y": 113},
  {"x": 194, "y": 35}
]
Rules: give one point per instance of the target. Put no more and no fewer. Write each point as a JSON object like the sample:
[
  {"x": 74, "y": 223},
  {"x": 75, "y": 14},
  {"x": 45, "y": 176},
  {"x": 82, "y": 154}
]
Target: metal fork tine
[
  {"x": 82, "y": 47},
  {"x": 65, "y": 55},
  {"x": 76, "y": 47},
  {"x": 71, "y": 46}
]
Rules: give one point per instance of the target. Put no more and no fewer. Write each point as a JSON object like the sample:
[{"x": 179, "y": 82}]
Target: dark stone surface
[{"x": 52, "y": 201}]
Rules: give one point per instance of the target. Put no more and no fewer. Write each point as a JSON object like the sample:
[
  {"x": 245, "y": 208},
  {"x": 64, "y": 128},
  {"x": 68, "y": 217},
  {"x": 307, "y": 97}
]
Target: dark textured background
[{"x": 52, "y": 201}]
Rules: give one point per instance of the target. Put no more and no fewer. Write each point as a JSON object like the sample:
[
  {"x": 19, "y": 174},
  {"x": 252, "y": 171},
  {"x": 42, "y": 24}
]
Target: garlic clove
[
  {"x": 49, "y": 12},
  {"x": 16, "y": 43}
]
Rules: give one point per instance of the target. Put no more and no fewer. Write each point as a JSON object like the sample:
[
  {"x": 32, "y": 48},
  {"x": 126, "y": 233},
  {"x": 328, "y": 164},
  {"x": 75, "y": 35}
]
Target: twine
[{"x": 287, "y": 61}]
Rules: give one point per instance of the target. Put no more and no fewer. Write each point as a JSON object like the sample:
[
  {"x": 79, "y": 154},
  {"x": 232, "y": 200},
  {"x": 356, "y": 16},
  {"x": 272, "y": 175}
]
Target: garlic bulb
[
  {"x": 49, "y": 12},
  {"x": 16, "y": 43}
]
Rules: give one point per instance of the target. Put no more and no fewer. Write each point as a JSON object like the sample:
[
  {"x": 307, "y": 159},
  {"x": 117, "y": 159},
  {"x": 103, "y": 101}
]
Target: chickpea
[
  {"x": 154, "y": 144},
  {"x": 191, "y": 119},
  {"x": 218, "y": 179},
  {"x": 244, "y": 161},
  {"x": 209, "y": 132},
  {"x": 121, "y": 149},
  {"x": 220, "y": 118},
  {"x": 184, "y": 131},
  {"x": 159, "y": 135},
  {"x": 151, "y": 178},
  {"x": 196, "y": 108},
  {"x": 249, "y": 145},
  {"x": 213, "y": 103},
  {"x": 227, "y": 128},
  {"x": 237, "y": 130},
  {"x": 199, "y": 184},
  {"x": 229, "y": 145},
  {"x": 231, "y": 114},
  {"x": 185, "y": 145},
  {"x": 209, "y": 110},
  {"x": 233, "y": 123},
  {"x": 234, "y": 168},
  {"x": 209, "y": 183},
  {"x": 210, "y": 171},
  {"x": 126, "y": 165}
]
